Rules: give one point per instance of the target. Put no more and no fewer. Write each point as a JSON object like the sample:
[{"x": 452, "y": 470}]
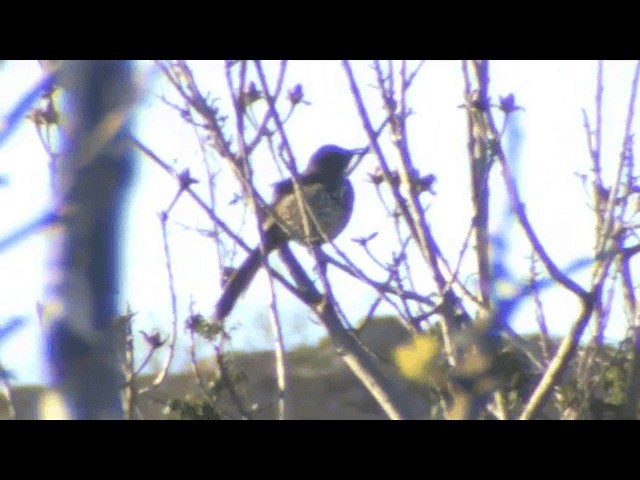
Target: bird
[{"x": 320, "y": 214}]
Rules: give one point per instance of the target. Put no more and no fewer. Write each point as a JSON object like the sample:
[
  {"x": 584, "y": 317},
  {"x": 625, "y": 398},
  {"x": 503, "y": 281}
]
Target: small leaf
[{"x": 416, "y": 358}]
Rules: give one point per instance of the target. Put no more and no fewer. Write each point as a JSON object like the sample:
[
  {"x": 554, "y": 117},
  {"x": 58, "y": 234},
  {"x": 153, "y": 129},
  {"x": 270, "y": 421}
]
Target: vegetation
[{"x": 437, "y": 341}]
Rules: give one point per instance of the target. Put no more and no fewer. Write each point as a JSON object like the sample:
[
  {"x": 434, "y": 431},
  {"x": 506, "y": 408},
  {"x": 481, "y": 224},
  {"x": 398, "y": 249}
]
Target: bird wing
[{"x": 284, "y": 187}]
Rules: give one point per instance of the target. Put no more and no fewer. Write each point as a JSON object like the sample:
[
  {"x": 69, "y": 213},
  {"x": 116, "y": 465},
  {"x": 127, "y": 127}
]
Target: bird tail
[{"x": 238, "y": 283}]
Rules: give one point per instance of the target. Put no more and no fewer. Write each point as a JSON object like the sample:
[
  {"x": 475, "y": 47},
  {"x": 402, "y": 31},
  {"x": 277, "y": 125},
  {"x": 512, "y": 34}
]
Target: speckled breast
[{"x": 324, "y": 213}]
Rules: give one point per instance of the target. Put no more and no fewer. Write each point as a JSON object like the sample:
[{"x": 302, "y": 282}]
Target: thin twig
[{"x": 162, "y": 375}]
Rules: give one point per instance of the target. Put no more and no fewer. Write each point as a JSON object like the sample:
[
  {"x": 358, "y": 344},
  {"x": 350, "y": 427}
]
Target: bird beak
[
  {"x": 356, "y": 152},
  {"x": 359, "y": 151}
]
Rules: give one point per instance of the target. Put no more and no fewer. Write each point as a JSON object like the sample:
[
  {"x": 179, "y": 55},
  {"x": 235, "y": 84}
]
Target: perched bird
[{"x": 318, "y": 215}]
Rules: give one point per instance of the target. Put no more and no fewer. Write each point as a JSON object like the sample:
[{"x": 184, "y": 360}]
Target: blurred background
[{"x": 546, "y": 140}]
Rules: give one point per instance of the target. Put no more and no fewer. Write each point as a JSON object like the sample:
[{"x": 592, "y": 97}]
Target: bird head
[{"x": 331, "y": 160}]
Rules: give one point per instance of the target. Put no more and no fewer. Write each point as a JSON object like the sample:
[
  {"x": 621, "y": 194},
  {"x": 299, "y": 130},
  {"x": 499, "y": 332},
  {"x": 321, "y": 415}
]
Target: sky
[{"x": 546, "y": 140}]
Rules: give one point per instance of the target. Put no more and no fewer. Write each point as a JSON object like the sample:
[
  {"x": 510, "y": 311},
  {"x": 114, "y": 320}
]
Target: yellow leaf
[{"x": 415, "y": 358}]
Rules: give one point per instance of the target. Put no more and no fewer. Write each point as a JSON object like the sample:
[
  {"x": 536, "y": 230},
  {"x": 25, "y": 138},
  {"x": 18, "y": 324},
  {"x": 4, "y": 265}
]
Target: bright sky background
[{"x": 552, "y": 148}]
